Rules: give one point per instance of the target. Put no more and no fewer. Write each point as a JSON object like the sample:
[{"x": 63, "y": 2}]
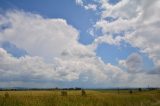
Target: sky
[{"x": 79, "y": 43}]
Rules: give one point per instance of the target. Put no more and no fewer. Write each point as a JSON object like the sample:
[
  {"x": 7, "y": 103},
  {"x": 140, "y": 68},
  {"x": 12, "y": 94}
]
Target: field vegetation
[{"x": 78, "y": 98}]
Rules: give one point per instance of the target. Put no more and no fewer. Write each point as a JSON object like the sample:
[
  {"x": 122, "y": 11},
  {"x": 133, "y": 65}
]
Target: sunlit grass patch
[{"x": 75, "y": 98}]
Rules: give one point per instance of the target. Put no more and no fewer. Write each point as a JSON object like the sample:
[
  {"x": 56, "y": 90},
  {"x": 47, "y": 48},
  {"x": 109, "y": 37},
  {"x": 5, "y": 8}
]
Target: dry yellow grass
[{"x": 74, "y": 98}]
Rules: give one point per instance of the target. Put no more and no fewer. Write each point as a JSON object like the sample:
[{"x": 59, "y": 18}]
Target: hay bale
[
  {"x": 140, "y": 89},
  {"x": 130, "y": 91},
  {"x": 83, "y": 93},
  {"x": 63, "y": 93},
  {"x": 6, "y": 95}
]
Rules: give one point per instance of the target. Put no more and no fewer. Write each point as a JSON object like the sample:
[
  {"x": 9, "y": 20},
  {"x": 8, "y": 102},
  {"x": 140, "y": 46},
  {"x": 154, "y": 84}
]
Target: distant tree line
[
  {"x": 76, "y": 88},
  {"x": 48, "y": 89}
]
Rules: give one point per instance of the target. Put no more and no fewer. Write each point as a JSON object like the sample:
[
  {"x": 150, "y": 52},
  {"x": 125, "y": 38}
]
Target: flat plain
[{"x": 74, "y": 98}]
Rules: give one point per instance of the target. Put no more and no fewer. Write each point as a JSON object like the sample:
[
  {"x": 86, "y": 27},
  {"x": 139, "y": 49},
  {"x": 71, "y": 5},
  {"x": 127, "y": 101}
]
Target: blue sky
[
  {"x": 85, "y": 19},
  {"x": 76, "y": 16}
]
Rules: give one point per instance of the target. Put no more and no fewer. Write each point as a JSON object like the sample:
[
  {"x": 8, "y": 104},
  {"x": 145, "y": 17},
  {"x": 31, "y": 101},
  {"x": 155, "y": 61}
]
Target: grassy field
[{"x": 74, "y": 98}]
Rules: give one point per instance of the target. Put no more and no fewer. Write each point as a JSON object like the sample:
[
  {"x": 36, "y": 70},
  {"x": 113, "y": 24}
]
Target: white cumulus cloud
[
  {"x": 136, "y": 22},
  {"x": 86, "y": 6},
  {"x": 55, "y": 55}
]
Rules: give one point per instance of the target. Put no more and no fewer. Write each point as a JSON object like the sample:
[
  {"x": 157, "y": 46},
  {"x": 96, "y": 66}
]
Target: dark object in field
[
  {"x": 6, "y": 95},
  {"x": 130, "y": 91},
  {"x": 64, "y": 93},
  {"x": 118, "y": 90},
  {"x": 83, "y": 93},
  {"x": 139, "y": 89}
]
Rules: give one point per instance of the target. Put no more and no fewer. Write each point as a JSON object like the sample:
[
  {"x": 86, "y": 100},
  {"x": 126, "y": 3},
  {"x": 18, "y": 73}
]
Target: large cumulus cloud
[
  {"x": 54, "y": 55},
  {"x": 133, "y": 21}
]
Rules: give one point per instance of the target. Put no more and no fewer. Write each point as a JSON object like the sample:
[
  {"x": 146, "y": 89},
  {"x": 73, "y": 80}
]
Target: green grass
[{"x": 74, "y": 98}]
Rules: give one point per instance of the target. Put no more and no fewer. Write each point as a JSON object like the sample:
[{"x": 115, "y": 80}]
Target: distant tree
[
  {"x": 56, "y": 88},
  {"x": 70, "y": 88},
  {"x": 76, "y": 88}
]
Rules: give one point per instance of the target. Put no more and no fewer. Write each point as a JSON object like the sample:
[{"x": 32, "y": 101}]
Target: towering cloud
[
  {"x": 54, "y": 54},
  {"x": 135, "y": 22}
]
